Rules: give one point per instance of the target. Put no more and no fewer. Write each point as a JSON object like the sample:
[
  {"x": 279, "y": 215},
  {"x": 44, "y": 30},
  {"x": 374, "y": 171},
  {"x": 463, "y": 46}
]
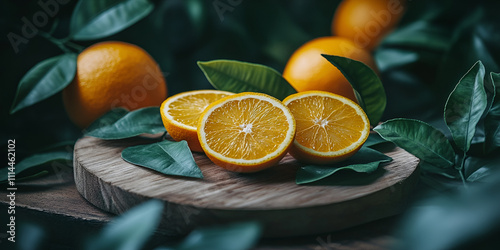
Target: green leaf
[
  {"x": 477, "y": 168},
  {"x": 237, "y": 77},
  {"x": 107, "y": 119},
  {"x": 430, "y": 168},
  {"x": 480, "y": 174},
  {"x": 366, "y": 160},
  {"x": 492, "y": 120},
  {"x": 37, "y": 160},
  {"x": 419, "y": 139},
  {"x": 420, "y": 35},
  {"x": 236, "y": 236},
  {"x": 472, "y": 41},
  {"x": 130, "y": 230},
  {"x": 120, "y": 124},
  {"x": 373, "y": 140},
  {"x": 44, "y": 80},
  {"x": 167, "y": 157},
  {"x": 94, "y": 19},
  {"x": 367, "y": 86},
  {"x": 392, "y": 58},
  {"x": 465, "y": 106}
]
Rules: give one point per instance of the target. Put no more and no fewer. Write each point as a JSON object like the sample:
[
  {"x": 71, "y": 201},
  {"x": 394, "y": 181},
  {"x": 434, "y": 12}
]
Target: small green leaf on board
[
  {"x": 366, "y": 160},
  {"x": 166, "y": 157},
  {"x": 120, "y": 124},
  {"x": 374, "y": 139}
]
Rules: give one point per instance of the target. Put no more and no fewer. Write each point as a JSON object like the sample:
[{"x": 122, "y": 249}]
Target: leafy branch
[
  {"x": 466, "y": 110},
  {"x": 91, "y": 19}
]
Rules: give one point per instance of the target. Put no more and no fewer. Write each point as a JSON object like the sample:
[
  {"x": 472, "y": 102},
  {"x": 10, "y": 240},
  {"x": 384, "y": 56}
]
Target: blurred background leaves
[
  {"x": 176, "y": 33},
  {"x": 419, "y": 64},
  {"x": 468, "y": 220}
]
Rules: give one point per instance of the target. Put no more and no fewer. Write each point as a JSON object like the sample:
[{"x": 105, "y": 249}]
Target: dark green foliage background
[
  {"x": 179, "y": 33},
  {"x": 174, "y": 34},
  {"x": 420, "y": 63}
]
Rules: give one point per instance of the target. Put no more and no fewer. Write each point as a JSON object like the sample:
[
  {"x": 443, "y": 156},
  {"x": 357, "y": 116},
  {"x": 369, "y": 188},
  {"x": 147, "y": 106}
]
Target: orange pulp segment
[
  {"x": 180, "y": 114},
  {"x": 330, "y": 127},
  {"x": 246, "y": 132}
]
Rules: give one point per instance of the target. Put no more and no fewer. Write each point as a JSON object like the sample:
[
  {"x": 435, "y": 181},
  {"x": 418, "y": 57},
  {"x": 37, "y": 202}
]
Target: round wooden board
[{"x": 284, "y": 208}]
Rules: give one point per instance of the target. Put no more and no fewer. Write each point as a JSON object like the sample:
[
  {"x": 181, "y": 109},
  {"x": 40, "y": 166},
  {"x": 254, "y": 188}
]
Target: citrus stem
[
  {"x": 75, "y": 46},
  {"x": 54, "y": 26},
  {"x": 64, "y": 44},
  {"x": 54, "y": 40},
  {"x": 461, "y": 170}
]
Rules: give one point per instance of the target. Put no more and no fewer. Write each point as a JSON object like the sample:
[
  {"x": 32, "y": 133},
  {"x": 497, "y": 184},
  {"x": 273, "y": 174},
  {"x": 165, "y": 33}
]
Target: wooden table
[{"x": 54, "y": 203}]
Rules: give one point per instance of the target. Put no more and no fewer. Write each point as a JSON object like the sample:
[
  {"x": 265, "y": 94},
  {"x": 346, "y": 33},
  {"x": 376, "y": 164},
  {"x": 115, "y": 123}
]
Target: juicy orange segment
[
  {"x": 180, "y": 114},
  {"x": 246, "y": 132},
  {"x": 330, "y": 127}
]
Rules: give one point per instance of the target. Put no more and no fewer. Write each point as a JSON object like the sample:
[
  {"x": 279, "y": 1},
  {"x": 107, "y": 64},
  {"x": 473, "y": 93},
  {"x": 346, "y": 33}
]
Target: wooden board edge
[{"x": 179, "y": 219}]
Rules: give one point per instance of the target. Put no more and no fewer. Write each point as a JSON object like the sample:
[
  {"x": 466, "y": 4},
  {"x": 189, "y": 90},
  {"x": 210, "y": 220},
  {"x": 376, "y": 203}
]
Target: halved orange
[
  {"x": 246, "y": 132},
  {"x": 330, "y": 127},
  {"x": 180, "y": 114}
]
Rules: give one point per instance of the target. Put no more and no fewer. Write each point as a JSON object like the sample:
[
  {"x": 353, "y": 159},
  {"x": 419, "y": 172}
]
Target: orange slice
[
  {"x": 330, "y": 127},
  {"x": 246, "y": 132},
  {"x": 180, "y": 114}
]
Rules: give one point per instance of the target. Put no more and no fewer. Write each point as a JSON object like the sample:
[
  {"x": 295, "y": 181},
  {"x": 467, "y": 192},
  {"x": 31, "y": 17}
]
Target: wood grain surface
[
  {"x": 271, "y": 197},
  {"x": 53, "y": 203}
]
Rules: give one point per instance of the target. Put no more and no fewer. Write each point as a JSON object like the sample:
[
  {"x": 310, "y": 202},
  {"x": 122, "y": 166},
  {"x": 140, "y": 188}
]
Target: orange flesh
[
  {"x": 325, "y": 124},
  {"x": 188, "y": 109},
  {"x": 246, "y": 129}
]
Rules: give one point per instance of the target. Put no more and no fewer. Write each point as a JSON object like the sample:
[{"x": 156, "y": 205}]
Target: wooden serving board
[{"x": 284, "y": 208}]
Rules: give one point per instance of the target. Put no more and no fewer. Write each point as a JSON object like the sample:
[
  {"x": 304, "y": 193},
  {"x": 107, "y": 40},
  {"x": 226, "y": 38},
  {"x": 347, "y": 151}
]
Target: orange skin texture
[
  {"x": 191, "y": 137},
  {"x": 111, "y": 75},
  {"x": 308, "y": 70},
  {"x": 178, "y": 133},
  {"x": 307, "y": 158},
  {"x": 367, "y": 22},
  {"x": 250, "y": 168}
]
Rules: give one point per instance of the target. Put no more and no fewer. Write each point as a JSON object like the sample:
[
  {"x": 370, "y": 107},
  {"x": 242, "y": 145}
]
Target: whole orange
[
  {"x": 366, "y": 22},
  {"x": 110, "y": 75},
  {"x": 308, "y": 70}
]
